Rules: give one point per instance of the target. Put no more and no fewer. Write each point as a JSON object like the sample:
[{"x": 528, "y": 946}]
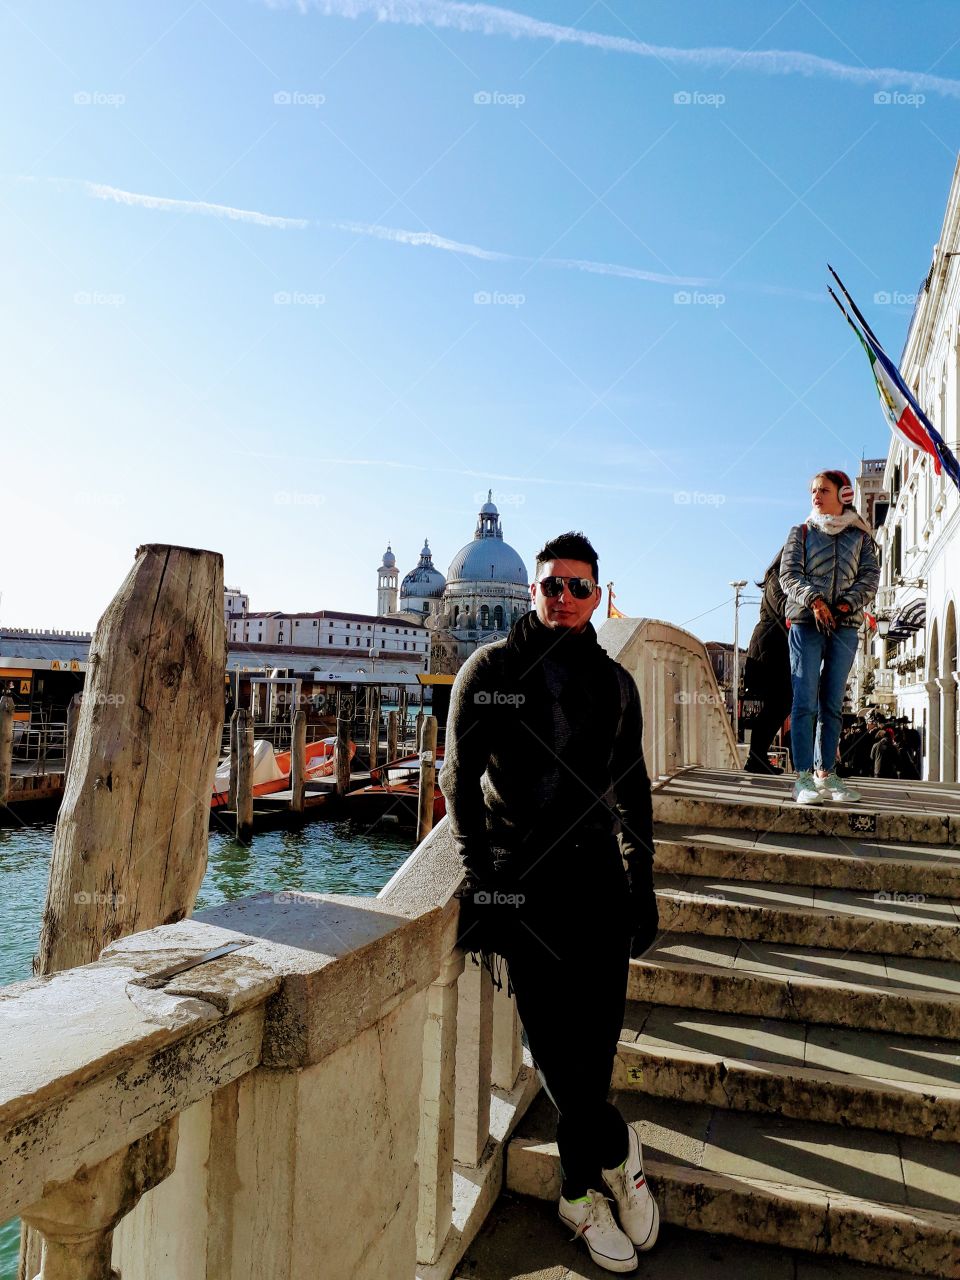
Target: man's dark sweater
[{"x": 544, "y": 746}]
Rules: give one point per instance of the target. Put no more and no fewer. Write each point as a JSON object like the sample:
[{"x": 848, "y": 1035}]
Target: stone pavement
[{"x": 791, "y": 1047}]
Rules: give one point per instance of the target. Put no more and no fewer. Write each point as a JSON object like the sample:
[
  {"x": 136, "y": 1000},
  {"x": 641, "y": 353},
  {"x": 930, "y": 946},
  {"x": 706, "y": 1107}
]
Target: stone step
[
  {"x": 872, "y": 1080},
  {"x": 918, "y": 813},
  {"x": 853, "y": 1193},
  {"x": 897, "y": 994},
  {"x": 855, "y": 920},
  {"x": 831, "y": 861}
]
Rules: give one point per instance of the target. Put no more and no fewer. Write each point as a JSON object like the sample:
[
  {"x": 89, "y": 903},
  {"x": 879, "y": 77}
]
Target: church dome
[
  {"x": 389, "y": 559},
  {"x": 425, "y": 582},
  {"x": 488, "y": 558}
]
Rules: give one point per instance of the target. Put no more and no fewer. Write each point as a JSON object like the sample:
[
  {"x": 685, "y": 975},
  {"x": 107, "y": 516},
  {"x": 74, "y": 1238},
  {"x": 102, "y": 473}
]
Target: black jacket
[{"x": 544, "y": 745}]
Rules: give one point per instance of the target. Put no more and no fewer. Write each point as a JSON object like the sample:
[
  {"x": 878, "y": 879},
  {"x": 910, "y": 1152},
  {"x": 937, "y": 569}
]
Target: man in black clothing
[
  {"x": 549, "y": 804},
  {"x": 767, "y": 671}
]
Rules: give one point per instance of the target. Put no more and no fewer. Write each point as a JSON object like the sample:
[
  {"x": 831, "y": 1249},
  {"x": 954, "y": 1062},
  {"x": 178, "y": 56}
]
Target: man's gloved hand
[
  {"x": 823, "y": 615},
  {"x": 644, "y": 919},
  {"x": 843, "y": 608}
]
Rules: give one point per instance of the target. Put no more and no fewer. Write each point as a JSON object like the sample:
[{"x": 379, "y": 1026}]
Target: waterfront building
[{"x": 917, "y": 673}]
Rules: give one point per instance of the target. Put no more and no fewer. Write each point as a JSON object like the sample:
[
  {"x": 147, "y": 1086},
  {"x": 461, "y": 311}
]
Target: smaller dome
[
  {"x": 424, "y": 582},
  {"x": 389, "y": 559},
  {"x": 489, "y": 508}
]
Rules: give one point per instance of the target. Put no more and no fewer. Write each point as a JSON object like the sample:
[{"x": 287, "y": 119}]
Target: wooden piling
[
  {"x": 344, "y": 725},
  {"x": 234, "y": 761},
  {"x": 418, "y": 730},
  {"x": 391, "y": 735},
  {"x": 428, "y": 769},
  {"x": 374, "y": 726},
  {"x": 298, "y": 761},
  {"x": 130, "y": 845},
  {"x": 73, "y": 719},
  {"x": 7, "y": 706},
  {"x": 244, "y": 807}
]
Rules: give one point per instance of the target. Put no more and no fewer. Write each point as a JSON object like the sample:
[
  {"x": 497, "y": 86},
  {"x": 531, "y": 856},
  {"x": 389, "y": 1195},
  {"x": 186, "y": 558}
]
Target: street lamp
[{"x": 737, "y": 588}]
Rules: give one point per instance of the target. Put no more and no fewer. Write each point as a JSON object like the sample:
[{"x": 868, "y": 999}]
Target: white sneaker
[
  {"x": 609, "y": 1247},
  {"x": 636, "y": 1207},
  {"x": 804, "y": 789},
  {"x": 835, "y": 787}
]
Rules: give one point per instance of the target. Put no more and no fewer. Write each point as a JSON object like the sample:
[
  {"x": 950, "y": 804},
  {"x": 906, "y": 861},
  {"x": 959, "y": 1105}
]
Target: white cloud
[
  {"x": 491, "y": 20},
  {"x": 136, "y": 199}
]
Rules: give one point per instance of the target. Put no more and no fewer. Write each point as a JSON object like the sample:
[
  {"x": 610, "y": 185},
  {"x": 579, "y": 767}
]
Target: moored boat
[{"x": 271, "y": 768}]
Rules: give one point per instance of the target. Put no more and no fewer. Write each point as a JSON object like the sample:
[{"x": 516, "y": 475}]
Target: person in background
[
  {"x": 829, "y": 571},
  {"x": 886, "y": 763},
  {"x": 766, "y": 675}
]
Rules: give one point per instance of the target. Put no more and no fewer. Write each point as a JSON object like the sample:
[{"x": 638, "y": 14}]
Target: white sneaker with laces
[
  {"x": 592, "y": 1220},
  {"x": 835, "y": 787},
  {"x": 636, "y": 1207},
  {"x": 804, "y": 789}
]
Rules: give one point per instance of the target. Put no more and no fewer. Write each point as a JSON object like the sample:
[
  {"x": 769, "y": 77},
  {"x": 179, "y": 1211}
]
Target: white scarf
[{"x": 836, "y": 524}]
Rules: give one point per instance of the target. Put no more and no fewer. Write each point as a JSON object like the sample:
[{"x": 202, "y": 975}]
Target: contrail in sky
[{"x": 491, "y": 20}]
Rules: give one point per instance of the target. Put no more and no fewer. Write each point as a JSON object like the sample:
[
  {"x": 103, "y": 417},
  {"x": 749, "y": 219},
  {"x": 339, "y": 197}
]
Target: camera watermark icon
[
  {"x": 97, "y": 899},
  {"x": 503, "y": 499},
  {"x": 694, "y": 498},
  {"x": 916, "y": 899},
  {"x": 102, "y": 699},
  {"x": 895, "y": 298},
  {"x": 87, "y": 498},
  {"x": 91, "y": 298},
  {"x": 695, "y": 98},
  {"x": 286, "y": 498},
  {"x": 295, "y": 98},
  {"x": 697, "y": 298},
  {"x": 895, "y": 98},
  {"x": 700, "y": 899},
  {"x": 294, "y": 895},
  {"x": 697, "y": 698},
  {"x": 495, "y": 98},
  {"x": 96, "y": 98},
  {"x": 484, "y": 298},
  {"x": 295, "y": 298},
  {"x": 494, "y": 898},
  {"x": 497, "y": 698}
]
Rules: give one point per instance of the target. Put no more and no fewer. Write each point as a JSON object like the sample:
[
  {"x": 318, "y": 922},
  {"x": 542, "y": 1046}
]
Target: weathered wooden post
[
  {"x": 298, "y": 760},
  {"x": 391, "y": 735},
  {"x": 428, "y": 770},
  {"x": 130, "y": 846},
  {"x": 344, "y": 725},
  {"x": 418, "y": 730},
  {"x": 244, "y": 810},
  {"x": 234, "y": 761},
  {"x": 373, "y": 712},
  {"x": 7, "y": 706},
  {"x": 73, "y": 719}
]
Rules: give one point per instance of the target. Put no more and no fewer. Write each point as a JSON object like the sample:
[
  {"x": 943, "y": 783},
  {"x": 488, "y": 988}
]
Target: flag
[
  {"x": 870, "y": 620},
  {"x": 612, "y": 610},
  {"x": 907, "y": 420}
]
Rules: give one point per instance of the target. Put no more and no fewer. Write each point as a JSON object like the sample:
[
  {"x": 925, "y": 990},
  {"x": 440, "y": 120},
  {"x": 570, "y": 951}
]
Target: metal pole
[{"x": 737, "y": 588}]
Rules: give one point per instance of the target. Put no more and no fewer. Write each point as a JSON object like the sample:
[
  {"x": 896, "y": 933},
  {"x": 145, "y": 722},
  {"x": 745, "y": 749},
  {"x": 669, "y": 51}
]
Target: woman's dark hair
[{"x": 570, "y": 546}]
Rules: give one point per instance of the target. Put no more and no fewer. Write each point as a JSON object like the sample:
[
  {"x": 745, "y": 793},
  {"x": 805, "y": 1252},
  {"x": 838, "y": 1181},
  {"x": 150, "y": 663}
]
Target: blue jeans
[{"x": 818, "y": 695}]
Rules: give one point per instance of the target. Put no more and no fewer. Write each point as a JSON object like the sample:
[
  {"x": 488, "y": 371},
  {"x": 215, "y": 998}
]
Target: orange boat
[{"x": 271, "y": 768}]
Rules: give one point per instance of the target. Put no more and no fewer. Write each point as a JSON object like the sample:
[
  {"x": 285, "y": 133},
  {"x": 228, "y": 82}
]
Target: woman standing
[
  {"x": 829, "y": 572},
  {"x": 766, "y": 676}
]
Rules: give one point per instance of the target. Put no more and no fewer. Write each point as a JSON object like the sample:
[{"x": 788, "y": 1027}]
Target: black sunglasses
[{"x": 579, "y": 588}]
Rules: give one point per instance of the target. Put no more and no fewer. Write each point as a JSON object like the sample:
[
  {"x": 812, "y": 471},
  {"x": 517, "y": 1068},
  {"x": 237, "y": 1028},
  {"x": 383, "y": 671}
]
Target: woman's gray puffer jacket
[{"x": 837, "y": 567}]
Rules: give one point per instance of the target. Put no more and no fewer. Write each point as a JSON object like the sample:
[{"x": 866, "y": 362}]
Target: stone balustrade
[{"x": 280, "y": 1066}]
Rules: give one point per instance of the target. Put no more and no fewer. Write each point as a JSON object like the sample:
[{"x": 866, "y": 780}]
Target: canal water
[{"x": 320, "y": 857}]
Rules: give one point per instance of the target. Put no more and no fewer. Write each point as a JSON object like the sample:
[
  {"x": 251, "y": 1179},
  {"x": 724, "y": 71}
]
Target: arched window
[
  {"x": 484, "y": 617},
  {"x": 498, "y": 618}
]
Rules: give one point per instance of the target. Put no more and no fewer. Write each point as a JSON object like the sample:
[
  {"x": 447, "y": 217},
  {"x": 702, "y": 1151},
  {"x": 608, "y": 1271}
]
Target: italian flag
[{"x": 907, "y": 420}]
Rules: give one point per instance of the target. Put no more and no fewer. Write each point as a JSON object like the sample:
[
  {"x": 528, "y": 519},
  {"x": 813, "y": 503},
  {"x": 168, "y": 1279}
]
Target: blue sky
[{"x": 287, "y": 281}]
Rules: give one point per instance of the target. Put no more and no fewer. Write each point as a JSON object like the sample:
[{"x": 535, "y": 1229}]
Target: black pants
[
  {"x": 567, "y": 948},
  {"x": 776, "y": 691}
]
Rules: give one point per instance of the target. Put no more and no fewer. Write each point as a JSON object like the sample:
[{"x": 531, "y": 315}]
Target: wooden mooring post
[
  {"x": 7, "y": 707},
  {"x": 391, "y": 735},
  {"x": 345, "y": 707},
  {"x": 373, "y": 722},
  {"x": 428, "y": 772},
  {"x": 234, "y": 761},
  {"x": 244, "y": 806},
  {"x": 130, "y": 845},
  {"x": 298, "y": 761},
  {"x": 418, "y": 730},
  {"x": 73, "y": 719}
]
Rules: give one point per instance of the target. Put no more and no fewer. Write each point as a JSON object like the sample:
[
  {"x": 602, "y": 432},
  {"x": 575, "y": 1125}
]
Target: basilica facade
[{"x": 486, "y": 589}]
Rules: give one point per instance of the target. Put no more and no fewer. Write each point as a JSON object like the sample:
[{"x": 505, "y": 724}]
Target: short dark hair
[{"x": 571, "y": 545}]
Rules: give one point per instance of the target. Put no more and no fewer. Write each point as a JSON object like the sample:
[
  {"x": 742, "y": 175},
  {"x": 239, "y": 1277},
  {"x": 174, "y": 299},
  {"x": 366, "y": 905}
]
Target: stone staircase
[{"x": 792, "y": 1042}]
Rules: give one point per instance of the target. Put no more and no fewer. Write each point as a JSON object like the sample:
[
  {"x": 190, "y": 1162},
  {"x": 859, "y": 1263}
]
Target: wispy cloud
[
  {"x": 136, "y": 199},
  {"x": 491, "y": 20}
]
